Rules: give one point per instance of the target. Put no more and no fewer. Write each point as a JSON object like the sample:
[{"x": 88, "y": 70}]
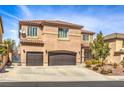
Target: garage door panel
[
  {"x": 62, "y": 59},
  {"x": 34, "y": 59}
]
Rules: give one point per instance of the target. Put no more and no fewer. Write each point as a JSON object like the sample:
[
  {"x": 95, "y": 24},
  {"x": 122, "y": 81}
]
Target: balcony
[
  {"x": 85, "y": 44},
  {"x": 31, "y": 42}
]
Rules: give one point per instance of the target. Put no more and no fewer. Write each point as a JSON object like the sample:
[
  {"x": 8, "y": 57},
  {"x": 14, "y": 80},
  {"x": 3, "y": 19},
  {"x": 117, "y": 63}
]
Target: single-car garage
[
  {"x": 61, "y": 58},
  {"x": 34, "y": 59}
]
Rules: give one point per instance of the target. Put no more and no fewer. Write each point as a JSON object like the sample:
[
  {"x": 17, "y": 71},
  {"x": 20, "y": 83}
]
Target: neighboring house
[
  {"x": 1, "y": 30},
  {"x": 52, "y": 42},
  {"x": 116, "y": 44},
  {"x": 3, "y": 59},
  {"x": 1, "y": 35}
]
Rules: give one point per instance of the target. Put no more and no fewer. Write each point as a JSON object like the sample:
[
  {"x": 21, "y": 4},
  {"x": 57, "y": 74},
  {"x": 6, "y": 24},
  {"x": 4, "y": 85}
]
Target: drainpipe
[{"x": 81, "y": 54}]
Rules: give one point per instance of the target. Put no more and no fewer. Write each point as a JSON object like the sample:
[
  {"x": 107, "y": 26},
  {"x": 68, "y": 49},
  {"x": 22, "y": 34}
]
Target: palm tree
[
  {"x": 10, "y": 47},
  {"x": 3, "y": 52}
]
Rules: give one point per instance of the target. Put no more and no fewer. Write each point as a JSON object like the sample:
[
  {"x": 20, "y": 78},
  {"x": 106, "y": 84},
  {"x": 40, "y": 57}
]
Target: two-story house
[
  {"x": 52, "y": 42},
  {"x": 116, "y": 44}
]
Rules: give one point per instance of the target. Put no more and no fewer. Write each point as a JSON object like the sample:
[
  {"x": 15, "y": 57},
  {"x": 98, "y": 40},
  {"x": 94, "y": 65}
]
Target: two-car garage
[
  {"x": 55, "y": 58},
  {"x": 61, "y": 59}
]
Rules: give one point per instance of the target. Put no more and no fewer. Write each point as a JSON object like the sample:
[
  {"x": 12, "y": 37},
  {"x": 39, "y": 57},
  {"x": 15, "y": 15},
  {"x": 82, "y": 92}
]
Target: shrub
[
  {"x": 103, "y": 71},
  {"x": 94, "y": 61},
  {"x": 109, "y": 71},
  {"x": 115, "y": 65},
  {"x": 95, "y": 68},
  {"x": 88, "y": 63},
  {"x": 88, "y": 66},
  {"x": 98, "y": 65},
  {"x": 122, "y": 63}
]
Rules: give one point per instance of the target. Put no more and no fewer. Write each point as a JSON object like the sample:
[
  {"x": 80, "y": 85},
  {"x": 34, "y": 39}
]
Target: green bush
[
  {"x": 98, "y": 65},
  {"x": 88, "y": 66},
  {"x": 94, "y": 62},
  {"x": 88, "y": 63},
  {"x": 122, "y": 63}
]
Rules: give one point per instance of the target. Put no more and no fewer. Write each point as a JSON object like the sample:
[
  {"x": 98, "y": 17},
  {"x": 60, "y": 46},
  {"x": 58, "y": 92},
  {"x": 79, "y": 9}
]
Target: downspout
[{"x": 81, "y": 54}]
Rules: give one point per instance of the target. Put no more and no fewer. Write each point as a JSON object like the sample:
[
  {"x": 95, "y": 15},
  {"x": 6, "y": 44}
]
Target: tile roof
[
  {"x": 87, "y": 32},
  {"x": 31, "y": 41},
  {"x": 49, "y": 22},
  {"x": 114, "y": 36}
]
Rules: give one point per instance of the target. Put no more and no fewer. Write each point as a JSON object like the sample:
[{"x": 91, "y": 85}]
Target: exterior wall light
[
  {"x": 46, "y": 51},
  {"x": 23, "y": 51}
]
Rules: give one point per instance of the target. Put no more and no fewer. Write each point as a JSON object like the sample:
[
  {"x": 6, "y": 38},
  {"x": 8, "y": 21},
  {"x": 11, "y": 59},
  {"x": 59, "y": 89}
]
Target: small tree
[
  {"x": 100, "y": 49},
  {"x": 3, "y": 52},
  {"x": 10, "y": 46}
]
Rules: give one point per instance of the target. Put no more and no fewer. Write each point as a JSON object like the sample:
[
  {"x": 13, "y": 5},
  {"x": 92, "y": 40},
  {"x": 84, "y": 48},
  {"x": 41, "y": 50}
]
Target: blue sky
[{"x": 108, "y": 19}]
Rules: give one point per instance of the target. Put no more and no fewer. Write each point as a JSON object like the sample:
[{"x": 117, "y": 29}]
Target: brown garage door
[
  {"x": 62, "y": 59},
  {"x": 34, "y": 59}
]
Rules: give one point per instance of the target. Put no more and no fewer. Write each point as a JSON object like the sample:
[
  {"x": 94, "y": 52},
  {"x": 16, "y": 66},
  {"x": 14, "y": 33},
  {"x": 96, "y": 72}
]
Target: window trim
[
  {"x": 86, "y": 39},
  {"x": 61, "y": 34},
  {"x": 32, "y": 31}
]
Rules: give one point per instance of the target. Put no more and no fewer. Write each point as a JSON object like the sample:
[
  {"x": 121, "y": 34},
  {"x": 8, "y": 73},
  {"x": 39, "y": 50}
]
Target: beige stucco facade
[
  {"x": 85, "y": 46},
  {"x": 116, "y": 48},
  {"x": 49, "y": 35}
]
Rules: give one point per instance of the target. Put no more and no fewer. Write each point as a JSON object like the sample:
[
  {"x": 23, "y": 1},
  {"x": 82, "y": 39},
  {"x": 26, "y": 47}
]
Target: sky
[{"x": 108, "y": 19}]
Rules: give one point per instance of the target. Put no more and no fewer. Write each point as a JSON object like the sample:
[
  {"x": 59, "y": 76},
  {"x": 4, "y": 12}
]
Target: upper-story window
[
  {"x": 32, "y": 31},
  {"x": 85, "y": 37},
  {"x": 63, "y": 33}
]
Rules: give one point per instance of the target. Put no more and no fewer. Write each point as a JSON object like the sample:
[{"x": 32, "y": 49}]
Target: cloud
[
  {"x": 91, "y": 17},
  {"x": 14, "y": 35},
  {"x": 25, "y": 11},
  {"x": 10, "y": 15}
]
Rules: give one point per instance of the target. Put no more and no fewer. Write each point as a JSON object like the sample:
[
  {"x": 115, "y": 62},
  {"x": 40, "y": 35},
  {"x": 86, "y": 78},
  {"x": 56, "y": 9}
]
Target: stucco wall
[
  {"x": 119, "y": 44},
  {"x": 72, "y": 43},
  {"x": 49, "y": 35},
  {"x": 112, "y": 46},
  {"x": 115, "y": 45},
  {"x": 0, "y": 33},
  {"x": 26, "y": 48},
  {"x": 39, "y": 33}
]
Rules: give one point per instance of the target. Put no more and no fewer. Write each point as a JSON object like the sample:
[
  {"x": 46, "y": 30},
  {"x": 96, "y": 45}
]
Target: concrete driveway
[{"x": 51, "y": 73}]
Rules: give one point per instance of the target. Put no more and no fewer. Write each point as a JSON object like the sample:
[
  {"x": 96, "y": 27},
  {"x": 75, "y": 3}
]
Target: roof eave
[{"x": 1, "y": 24}]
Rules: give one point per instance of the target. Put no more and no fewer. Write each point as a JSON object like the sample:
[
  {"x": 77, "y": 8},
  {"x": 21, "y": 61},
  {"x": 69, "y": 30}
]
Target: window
[
  {"x": 63, "y": 33},
  {"x": 85, "y": 37},
  {"x": 32, "y": 31}
]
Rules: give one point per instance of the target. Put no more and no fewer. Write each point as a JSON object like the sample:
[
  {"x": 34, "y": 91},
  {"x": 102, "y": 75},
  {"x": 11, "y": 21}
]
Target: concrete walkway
[{"x": 51, "y": 73}]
